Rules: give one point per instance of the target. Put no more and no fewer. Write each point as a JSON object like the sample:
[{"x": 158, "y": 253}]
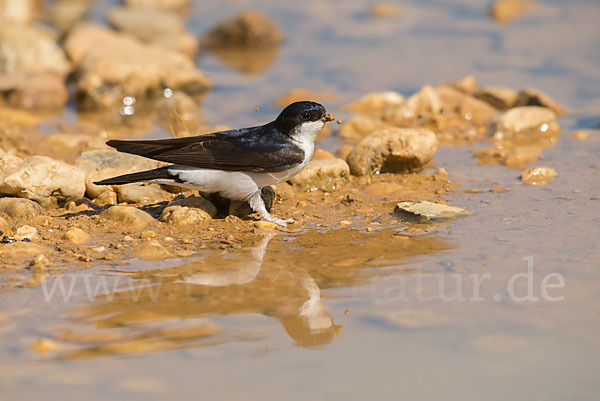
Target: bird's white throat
[{"x": 307, "y": 132}]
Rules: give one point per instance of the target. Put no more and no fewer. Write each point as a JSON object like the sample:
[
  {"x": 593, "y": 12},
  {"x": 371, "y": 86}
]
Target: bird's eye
[{"x": 305, "y": 116}]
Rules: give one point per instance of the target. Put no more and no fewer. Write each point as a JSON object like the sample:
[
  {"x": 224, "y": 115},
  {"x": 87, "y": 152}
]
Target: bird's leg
[{"x": 258, "y": 205}]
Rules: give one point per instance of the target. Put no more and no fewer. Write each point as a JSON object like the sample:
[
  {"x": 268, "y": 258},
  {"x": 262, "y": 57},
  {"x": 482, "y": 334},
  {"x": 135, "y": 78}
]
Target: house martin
[{"x": 237, "y": 163}]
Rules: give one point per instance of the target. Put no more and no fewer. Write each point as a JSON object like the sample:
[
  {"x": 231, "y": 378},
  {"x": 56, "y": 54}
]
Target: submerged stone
[
  {"x": 527, "y": 120},
  {"x": 425, "y": 211},
  {"x": 538, "y": 175}
]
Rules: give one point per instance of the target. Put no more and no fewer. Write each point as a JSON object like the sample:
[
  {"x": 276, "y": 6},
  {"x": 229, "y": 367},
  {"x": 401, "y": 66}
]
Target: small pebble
[{"x": 7, "y": 240}]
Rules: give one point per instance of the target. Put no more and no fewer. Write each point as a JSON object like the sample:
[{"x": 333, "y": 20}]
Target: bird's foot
[{"x": 280, "y": 222}]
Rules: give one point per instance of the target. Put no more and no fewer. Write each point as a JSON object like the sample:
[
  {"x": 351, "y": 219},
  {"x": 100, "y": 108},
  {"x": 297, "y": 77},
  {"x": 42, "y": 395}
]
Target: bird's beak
[{"x": 328, "y": 117}]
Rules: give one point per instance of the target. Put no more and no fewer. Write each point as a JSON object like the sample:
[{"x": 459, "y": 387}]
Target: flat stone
[
  {"x": 425, "y": 211},
  {"x": 325, "y": 175},
  {"x": 47, "y": 181},
  {"x": 20, "y": 208},
  {"x": 30, "y": 49},
  {"x": 393, "y": 150},
  {"x": 129, "y": 216},
  {"x": 538, "y": 175},
  {"x": 111, "y": 65},
  {"x": 100, "y": 164},
  {"x": 142, "y": 193},
  {"x": 527, "y": 120},
  {"x": 76, "y": 235}
]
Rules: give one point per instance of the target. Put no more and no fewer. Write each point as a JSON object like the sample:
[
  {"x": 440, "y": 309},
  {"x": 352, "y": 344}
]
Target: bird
[{"x": 236, "y": 163}]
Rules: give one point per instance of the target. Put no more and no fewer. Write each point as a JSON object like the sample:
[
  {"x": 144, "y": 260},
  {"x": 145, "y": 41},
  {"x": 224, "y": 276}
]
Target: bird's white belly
[{"x": 235, "y": 185}]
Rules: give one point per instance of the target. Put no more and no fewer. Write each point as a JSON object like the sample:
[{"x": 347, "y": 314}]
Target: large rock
[
  {"x": 393, "y": 150},
  {"x": 131, "y": 217},
  {"x": 528, "y": 120},
  {"x": 247, "y": 30},
  {"x": 30, "y": 49},
  {"x": 47, "y": 181},
  {"x": 111, "y": 65},
  {"x": 100, "y": 164},
  {"x": 325, "y": 174},
  {"x": 18, "y": 208},
  {"x": 19, "y": 11},
  {"x": 159, "y": 27},
  {"x": 425, "y": 211}
]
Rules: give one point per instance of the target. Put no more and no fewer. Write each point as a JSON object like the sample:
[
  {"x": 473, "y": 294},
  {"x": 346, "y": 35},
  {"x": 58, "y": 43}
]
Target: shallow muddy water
[{"x": 501, "y": 304}]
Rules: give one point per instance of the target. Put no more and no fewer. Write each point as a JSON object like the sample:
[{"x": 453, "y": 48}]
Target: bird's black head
[{"x": 299, "y": 113}]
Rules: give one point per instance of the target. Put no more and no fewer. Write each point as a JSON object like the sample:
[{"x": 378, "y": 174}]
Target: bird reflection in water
[{"x": 174, "y": 307}]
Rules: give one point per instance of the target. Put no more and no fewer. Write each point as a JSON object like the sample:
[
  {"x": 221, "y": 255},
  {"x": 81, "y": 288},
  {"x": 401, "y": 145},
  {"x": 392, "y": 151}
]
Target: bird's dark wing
[{"x": 257, "y": 149}]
